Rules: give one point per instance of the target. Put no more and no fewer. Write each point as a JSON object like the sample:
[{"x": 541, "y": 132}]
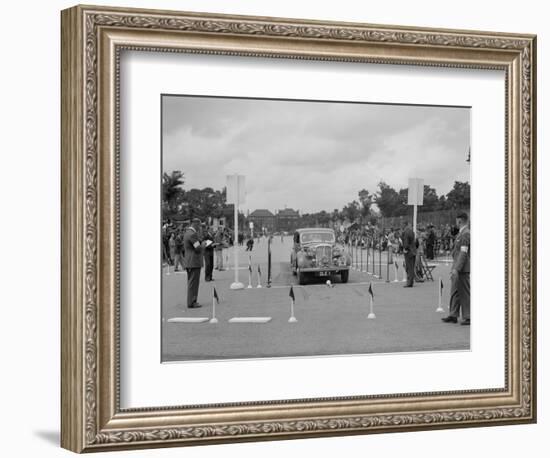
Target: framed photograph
[{"x": 277, "y": 228}]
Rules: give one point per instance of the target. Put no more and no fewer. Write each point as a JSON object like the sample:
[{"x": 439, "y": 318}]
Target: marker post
[
  {"x": 292, "y": 318},
  {"x": 439, "y": 294},
  {"x": 388, "y": 266}
]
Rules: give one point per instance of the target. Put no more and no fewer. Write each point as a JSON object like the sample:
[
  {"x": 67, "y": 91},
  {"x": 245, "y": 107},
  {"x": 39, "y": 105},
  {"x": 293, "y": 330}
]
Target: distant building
[
  {"x": 218, "y": 222},
  {"x": 287, "y": 220},
  {"x": 262, "y": 219}
]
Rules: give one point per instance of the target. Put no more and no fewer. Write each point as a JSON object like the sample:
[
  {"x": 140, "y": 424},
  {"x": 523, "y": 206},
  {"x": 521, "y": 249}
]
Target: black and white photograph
[{"x": 299, "y": 228}]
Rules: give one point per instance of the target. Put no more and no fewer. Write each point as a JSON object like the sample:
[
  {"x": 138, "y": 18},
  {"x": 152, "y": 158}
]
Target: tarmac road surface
[{"x": 331, "y": 320}]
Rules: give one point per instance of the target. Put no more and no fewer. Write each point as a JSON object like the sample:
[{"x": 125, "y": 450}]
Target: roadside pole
[
  {"x": 415, "y": 197},
  {"x": 235, "y": 194},
  {"x": 368, "y": 250},
  {"x": 415, "y": 212},
  {"x": 361, "y": 246},
  {"x": 380, "y": 257},
  {"x": 269, "y": 262},
  {"x": 373, "y": 258},
  {"x": 388, "y": 263}
]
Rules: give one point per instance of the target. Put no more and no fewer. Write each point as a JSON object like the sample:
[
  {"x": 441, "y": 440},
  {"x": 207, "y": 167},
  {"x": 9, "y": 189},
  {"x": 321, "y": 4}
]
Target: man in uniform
[
  {"x": 409, "y": 249},
  {"x": 193, "y": 261},
  {"x": 460, "y": 274}
]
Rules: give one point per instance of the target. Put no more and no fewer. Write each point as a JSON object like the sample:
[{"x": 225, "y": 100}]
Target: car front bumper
[{"x": 332, "y": 269}]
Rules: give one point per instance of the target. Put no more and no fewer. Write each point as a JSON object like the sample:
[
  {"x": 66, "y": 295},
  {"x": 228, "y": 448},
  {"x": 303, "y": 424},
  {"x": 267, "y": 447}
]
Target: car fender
[{"x": 301, "y": 259}]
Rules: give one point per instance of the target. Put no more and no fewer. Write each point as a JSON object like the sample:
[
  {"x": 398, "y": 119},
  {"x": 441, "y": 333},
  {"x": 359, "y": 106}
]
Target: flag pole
[
  {"x": 292, "y": 318},
  {"x": 439, "y": 288},
  {"x": 259, "y": 277},
  {"x": 269, "y": 263},
  {"x": 249, "y": 272},
  {"x": 213, "y": 319},
  {"x": 371, "y": 315}
]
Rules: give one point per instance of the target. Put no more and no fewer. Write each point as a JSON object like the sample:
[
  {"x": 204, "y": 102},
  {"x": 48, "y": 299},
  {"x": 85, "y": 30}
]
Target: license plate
[{"x": 323, "y": 273}]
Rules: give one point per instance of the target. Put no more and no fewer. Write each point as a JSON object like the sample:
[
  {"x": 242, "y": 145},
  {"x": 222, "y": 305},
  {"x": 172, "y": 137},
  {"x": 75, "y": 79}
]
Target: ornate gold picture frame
[{"x": 92, "y": 40}]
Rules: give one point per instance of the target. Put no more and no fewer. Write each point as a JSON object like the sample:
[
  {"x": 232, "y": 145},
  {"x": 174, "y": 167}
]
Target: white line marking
[
  {"x": 188, "y": 320},
  {"x": 335, "y": 285},
  {"x": 250, "y": 319}
]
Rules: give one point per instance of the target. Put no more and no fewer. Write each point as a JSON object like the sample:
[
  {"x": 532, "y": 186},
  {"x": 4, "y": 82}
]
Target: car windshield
[{"x": 308, "y": 237}]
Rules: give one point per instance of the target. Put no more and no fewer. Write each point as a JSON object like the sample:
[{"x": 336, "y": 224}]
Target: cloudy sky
[{"x": 312, "y": 156}]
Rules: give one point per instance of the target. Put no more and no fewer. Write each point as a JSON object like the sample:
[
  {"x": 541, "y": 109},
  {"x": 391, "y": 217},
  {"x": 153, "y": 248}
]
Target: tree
[
  {"x": 366, "y": 200},
  {"x": 431, "y": 200},
  {"x": 396, "y": 203},
  {"x": 352, "y": 211},
  {"x": 171, "y": 192},
  {"x": 388, "y": 200},
  {"x": 318, "y": 219},
  {"x": 403, "y": 207},
  {"x": 201, "y": 203},
  {"x": 442, "y": 203},
  {"x": 323, "y": 218},
  {"x": 459, "y": 196}
]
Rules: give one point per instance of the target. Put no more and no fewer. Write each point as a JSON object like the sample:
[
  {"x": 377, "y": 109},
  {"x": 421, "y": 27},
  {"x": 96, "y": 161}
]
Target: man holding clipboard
[{"x": 192, "y": 261}]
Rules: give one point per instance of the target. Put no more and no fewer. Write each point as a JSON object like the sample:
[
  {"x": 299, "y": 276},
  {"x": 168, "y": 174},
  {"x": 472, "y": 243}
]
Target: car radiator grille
[{"x": 323, "y": 255}]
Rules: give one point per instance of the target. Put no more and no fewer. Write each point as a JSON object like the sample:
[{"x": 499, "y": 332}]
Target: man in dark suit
[
  {"x": 208, "y": 241},
  {"x": 409, "y": 250},
  {"x": 430, "y": 243},
  {"x": 192, "y": 261},
  {"x": 460, "y": 274}
]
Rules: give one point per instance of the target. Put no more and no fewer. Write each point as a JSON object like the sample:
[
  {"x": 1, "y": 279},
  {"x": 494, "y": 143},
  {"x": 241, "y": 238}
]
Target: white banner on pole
[
  {"x": 236, "y": 189},
  {"x": 416, "y": 191}
]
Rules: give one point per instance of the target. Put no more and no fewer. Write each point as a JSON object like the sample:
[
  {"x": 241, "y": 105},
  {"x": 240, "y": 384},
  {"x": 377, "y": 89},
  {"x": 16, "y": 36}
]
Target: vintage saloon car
[{"x": 315, "y": 253}]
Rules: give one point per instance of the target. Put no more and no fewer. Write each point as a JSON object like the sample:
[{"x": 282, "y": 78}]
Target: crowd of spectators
[{"x": 431, "y": 241}]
